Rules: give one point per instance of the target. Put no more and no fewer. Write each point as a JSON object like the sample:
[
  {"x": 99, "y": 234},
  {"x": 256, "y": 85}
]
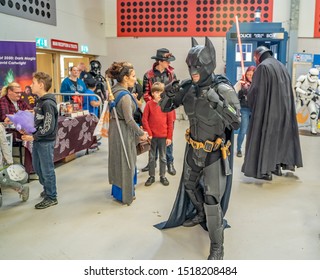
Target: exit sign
[
  {"x": 84, "y": 49},
  {"x": 41, "y": 43}
]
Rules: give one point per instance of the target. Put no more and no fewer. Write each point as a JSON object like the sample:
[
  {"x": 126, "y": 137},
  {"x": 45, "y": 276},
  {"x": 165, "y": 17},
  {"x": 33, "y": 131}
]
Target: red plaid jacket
[{"x": 7, "y": 107}]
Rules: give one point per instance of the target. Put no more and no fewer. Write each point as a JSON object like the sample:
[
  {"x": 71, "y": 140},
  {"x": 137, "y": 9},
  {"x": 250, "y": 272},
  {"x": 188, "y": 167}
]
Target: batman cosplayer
[{"x": 212, "y": 107}]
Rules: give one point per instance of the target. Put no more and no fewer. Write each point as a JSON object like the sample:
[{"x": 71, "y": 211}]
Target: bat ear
[
  {"x": 210, "y": 46},
  {"x": 194, "y": 42}
]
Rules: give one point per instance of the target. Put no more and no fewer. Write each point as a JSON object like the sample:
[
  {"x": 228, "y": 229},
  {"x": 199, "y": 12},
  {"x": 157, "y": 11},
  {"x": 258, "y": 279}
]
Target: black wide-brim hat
[{"x": 164, "y": 54}]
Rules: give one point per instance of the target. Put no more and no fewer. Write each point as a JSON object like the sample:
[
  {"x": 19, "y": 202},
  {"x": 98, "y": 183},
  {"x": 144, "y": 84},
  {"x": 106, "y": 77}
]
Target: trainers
[
  {"x": 24, "y": 193},
  {"x": 45, "y": 203},
  {"x": 164, "y": 181},
  {"x": 239, "y": 154},
  {"x": 43, "y": 194},
  {"x": 150, "y": 181}
]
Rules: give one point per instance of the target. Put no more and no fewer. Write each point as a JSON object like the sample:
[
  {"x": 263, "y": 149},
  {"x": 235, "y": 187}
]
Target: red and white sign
[{"x": 64, "y": 45}]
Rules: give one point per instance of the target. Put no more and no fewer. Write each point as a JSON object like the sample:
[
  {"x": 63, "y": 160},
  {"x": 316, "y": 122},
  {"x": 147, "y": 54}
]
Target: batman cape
[{"x": 183, "y": 209}]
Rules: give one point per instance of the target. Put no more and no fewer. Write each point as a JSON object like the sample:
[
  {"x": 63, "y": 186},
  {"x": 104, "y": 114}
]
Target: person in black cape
[
  {"x": 272, "y": 138},
  {"x": 212, "y": 107}
]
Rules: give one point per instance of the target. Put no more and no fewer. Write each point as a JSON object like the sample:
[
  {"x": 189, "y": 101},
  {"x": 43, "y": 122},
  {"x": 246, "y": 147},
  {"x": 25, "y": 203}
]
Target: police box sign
[{"x": 255, "y": 36}]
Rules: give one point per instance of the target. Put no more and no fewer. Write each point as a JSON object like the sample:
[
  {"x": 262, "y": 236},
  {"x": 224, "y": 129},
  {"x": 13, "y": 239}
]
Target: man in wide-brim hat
[
  {"x": 163, "y": 54},
  {"x": 162, "y": 72}
]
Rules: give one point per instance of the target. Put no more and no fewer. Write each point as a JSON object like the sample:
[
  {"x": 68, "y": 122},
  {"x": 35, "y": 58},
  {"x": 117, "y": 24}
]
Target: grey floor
[{"x": 278, "y": 220}]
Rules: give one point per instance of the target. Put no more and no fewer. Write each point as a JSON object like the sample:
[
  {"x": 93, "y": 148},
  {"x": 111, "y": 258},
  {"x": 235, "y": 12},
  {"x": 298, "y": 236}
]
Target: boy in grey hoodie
[{"x": 46, "y": 124}]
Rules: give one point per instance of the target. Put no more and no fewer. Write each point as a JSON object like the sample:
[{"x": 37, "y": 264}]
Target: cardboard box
[{"x": 69, "y": 158}]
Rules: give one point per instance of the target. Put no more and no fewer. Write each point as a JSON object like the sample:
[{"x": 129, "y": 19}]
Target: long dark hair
[{"x": 250, "y": 68}]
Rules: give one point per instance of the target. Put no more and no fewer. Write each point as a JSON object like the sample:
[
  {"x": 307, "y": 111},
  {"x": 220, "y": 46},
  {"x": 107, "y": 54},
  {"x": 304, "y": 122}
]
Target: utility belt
[
  {"x": 211, "y": 146},
  {"x": 207, "y": 146}
]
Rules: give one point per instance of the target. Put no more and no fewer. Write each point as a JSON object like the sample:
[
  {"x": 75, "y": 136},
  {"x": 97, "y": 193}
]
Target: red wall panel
[{"x": 168, "y": 18}]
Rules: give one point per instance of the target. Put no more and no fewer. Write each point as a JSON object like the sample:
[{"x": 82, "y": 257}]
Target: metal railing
[{"x": 84, "y": 95}]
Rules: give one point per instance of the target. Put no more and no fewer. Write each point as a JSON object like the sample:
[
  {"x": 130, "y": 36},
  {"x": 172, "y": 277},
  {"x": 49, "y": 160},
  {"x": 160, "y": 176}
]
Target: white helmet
[{"x": 313, "y": 75}]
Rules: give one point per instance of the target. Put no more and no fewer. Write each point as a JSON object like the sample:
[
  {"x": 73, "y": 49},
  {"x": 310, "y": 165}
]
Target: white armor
[{"x": 307, "y": 89}]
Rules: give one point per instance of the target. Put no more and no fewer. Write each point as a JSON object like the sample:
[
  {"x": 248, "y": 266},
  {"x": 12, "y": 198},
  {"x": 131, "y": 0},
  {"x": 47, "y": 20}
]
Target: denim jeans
[
  {"x": 43, "y": 165},
  {"x": 245, "y": 116},
  {"x": 169, "y": 153}
]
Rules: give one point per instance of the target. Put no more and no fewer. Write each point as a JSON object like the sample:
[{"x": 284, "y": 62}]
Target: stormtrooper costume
[
  {"x": 212, "y": 107},
  {"x": 306, "y": 88}
]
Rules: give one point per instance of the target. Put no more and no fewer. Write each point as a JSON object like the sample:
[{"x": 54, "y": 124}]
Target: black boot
[
  {"x": 197, "y": 219},
  {"x": 171, "y": 169},
  {"x": 288, "y": 167},
  {"x": 267, "y": 177},
  {"x": 216, "y": 249},
  {"x": 215, "y": 230},
  {"x": 277, "y": 171},
  {"x": 146, "y": 168},
  {"x": 198, "y": 204}
]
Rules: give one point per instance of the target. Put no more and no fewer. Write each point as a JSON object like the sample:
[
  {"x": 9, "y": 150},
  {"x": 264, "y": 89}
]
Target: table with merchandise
[{"x": 74, "y": 135}]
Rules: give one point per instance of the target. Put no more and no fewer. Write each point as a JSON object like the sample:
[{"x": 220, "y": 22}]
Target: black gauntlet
[{"x": 172, "y": 88}]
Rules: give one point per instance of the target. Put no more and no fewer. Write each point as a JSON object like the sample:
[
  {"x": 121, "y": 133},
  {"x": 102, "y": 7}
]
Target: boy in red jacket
[{"x": 159, "y": 126}]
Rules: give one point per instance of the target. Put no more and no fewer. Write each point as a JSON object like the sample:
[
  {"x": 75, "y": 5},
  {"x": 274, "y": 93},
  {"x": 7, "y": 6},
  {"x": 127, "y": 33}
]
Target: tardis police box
[{"x": 253, "y": 35}]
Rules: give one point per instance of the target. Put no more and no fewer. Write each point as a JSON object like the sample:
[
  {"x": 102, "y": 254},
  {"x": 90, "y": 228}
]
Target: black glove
[{"x": 172, "y": 88}]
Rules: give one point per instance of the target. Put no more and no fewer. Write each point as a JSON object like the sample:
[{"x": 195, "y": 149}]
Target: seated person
[
  {"x": 10, "y": 101},
  {"x": 92, "y": 102}
]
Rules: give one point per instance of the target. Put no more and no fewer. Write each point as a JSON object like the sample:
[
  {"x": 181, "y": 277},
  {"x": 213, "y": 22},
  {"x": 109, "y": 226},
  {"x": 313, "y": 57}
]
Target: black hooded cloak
[{"x": 272, "y": 136}]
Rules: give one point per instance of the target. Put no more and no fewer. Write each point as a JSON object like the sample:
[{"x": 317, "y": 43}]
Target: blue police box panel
[{"x": 253, "y": 35}]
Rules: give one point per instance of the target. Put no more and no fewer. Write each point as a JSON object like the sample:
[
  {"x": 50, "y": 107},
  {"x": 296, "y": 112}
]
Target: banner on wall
[
  {"x": 316, "y": 62},
  {"x": 17, "y": 62},
  {"x": 302, "y": 62}
]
